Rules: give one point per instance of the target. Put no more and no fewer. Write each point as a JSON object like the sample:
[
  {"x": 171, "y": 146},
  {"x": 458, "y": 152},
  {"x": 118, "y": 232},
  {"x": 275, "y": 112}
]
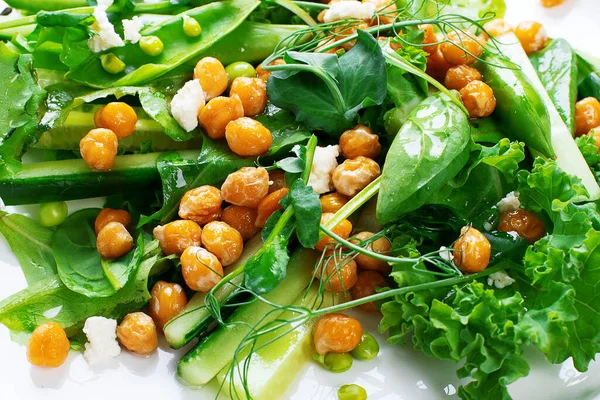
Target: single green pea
[
  {"x": 335, "y": 362},
  {"x": 191, "y": 27},
  {"x": 367, "y": 349},
  {"x": 53, "y": 214},
  {"x": 151, "y": 45},
  {"x": 352, "y": 392},
  {"x": 112, "y": 64},
  {"x": 240, "y": 69}
]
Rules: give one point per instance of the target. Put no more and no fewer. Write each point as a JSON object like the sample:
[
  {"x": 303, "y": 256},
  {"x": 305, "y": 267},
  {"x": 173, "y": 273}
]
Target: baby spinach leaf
[
  {"x": 588, "y": 79},
  {"x": 32, "y": 245},
  {"x": 307, "y": 209},
  {"x": 486, "y": 130},
  {"x": 265, "y": 269},
  {"x": 286, "y": 131}
]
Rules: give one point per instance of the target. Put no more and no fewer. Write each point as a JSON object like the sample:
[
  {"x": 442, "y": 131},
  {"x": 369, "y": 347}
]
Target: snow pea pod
[
  {"x": 520, "y": 110},
  {"x": 556, "y": 65}
]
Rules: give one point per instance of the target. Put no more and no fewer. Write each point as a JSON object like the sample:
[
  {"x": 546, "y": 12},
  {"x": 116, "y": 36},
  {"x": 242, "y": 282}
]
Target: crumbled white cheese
[
  {"x": 509, "y": 203},
  {"x": 446, "y": 254},
  {"x": 324, "y": 162},
  {"x": 487, "y": 226},
  {"x": 132, "y": 28},
  {"x": 102, "y": 342},
  {"x": 187, "y": 103},
  {"x": 349, "y": 9},
  {"x": 500, "y": 280},
  {"x": 105, "y": 37}
]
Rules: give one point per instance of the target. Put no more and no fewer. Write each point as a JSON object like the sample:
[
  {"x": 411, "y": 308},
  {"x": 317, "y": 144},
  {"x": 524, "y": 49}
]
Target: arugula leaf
[{"x": 307, "y": 209}]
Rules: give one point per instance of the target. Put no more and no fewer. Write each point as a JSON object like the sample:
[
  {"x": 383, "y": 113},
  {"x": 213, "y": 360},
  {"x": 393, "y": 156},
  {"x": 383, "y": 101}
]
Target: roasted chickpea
[
  {"x": 223, "y": 241},
  {"x": 552, "y": 3},
  {"x": 532, "y": 35},
  {"x": 461, "y": 49},
  {"x": 338, "y": 275},
  {"x": 381, "y": 245},
  {"x": 460, "y": 76},
  {"x": 360, "y": 141},
  {"x": 528, "y": 225},
  {"x": 269, "y": 205},
  {"x": 119, "y": 117},
  {"x": 387, "y": 10},
  {"x": 247, "y": 137},
  {"x": 253, "y": 94},
  {"x": 201, "y": 269},
  {"x": 111, "y": 215},
  {"x": 472, "y": 250},
  {"x": 48, "y": 346},
  {"x": 595, "y": 133},
  {"x": 437, "y": 66},
  {"x": 241, "y": 219},
  {"x": 137, "y": 333},
  {"x": 201, "y": 205},
  {"x": 166, "y": 301},
  {"x": 352, "y": 176},
  {"x": 114, "y": 241},
  {"x": 342, "y": 229},
  {"x": 336, "y": 333},
  {"x": 212, "y": 76},
  {"x": 176, "y": 236},
  {"x": 366, "y": 285},
  {"x": 479, "y": 99},
  {"x": 332, "y": 202},
  {"x": 97, "y": 121},
  {"x": 219, "y": 112},
  {"x": 99, "y": 148},
  {"x": 429, "y": 38},
  {"x": 246, "y": 187},
  {"x": 587, "y": 115},
  {"x": 276, "y": 180},
  {"x": 340, "y": 33},
  {"x": 264, "y": 75},
  {"x": 497, "y": 28}
]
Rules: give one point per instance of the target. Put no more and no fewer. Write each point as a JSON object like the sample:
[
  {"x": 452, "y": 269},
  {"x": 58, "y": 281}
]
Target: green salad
[{"x": 268, "y": 165}]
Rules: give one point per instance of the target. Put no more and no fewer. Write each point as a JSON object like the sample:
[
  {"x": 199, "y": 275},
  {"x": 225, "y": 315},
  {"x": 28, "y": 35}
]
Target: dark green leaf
[
  {"x": 63, "y": 18},
  {"x": 307, "y": 209},
  {"x": 286, "y": 131},
  {"x": 264, "y": 270}
]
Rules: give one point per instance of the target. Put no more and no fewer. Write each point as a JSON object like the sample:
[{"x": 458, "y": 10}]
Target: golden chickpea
[
  {"x": 119, "y": 117},
  {"x": 472, "y": 250},
  {"x": 343, "y": 229},
  {"x": 241, "y": 219},
  {"x": 381, "y": 245},
  {"x": 337, "y": 333},
  {"x": 387, "y": 10},
  {"x": 429, "y": 38},
  {"x": 437, "y": 66},
  {"x": 276, "y": 180},
  {"x": 264, "y": 75},
  {"x": 166, "y": 301},
  {"x": 97, "y": 120},
  {"x": 111, "y": 215},
  {"x": 269, "y": 205},
  {"x": 461, "y": 49},
  {"x": 114, "y": 241},
  {"x": 247, "y": 137},
  {"x": 338, "y": 275},
  {"x": 99, "y": 149},
  {"x": 246, "y": 186},
  {"x": 587, "y": 115},
  {"x": 532, "y": 35},
  {"x": 479, "y": 99},
  {"x": 498, "y": 27},
  {"x": 176, "y": 236},
  {"x": 201, "y": 205},
  {"x": 212, "y": 76},
  {"x": 366, "y": 285},
  {"x": 201, "y": 269},
  {"x": 528, "y": 225},
  {"x": 253, "y": 94},
  {"x": 460, "y": 76},
  {"x": 219, "y": 112},
  {"x": 332, "y": 202},
  {"x": 223, "y": 241},
  {"x": 360, "y": 141},
  {"x": 552, "y": 3},
  {"x": 352, "y": 176},
  {"x": 48, "y": 346},
  {"x": 137, "y": 333}
]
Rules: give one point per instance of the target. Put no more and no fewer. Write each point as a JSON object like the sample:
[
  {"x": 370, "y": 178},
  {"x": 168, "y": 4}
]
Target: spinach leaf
[
  {"x": 486, "y": 130},
  {"x": 307, "y": 209},
  {"x": 556, "y": 65},
  {"x": 286, "y": 131},
  {"x": 80, "y": 267},
  {"x": 589, "y": 76},
  {"x": 430, "y": 149},
  {"x": 326, "y": 92},
  {"x": 268, "y": 266},
  {"x": 406, "y": 95},
  {"x": 32, "y": 245}
]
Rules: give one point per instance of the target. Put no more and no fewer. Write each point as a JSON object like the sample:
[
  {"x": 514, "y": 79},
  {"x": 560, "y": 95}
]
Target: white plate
[{"x": 397, "y": 373}]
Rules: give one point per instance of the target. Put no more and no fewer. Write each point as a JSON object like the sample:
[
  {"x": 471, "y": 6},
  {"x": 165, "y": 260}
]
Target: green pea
[
  {"x": 352, "y": 392},
  {"x": 367, "y": 349},
  {"x": 151, "y": 45},
  {"x": 53, "y": 214},
  {"x": 191, "y": 27},
  {"x": 335, "y": 362},
  {"x": 112, "y": 64},
  {"x": 240, "y": 69}
]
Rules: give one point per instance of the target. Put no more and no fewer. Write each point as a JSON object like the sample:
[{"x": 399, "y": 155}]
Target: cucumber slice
[
  {"x": 195, "y": 317},
  {"x": 216, "y": 350}
]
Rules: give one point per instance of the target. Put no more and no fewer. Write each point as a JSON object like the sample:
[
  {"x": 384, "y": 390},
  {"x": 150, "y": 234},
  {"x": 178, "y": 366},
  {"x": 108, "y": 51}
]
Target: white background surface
[{"x": 398, "y": 373}]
